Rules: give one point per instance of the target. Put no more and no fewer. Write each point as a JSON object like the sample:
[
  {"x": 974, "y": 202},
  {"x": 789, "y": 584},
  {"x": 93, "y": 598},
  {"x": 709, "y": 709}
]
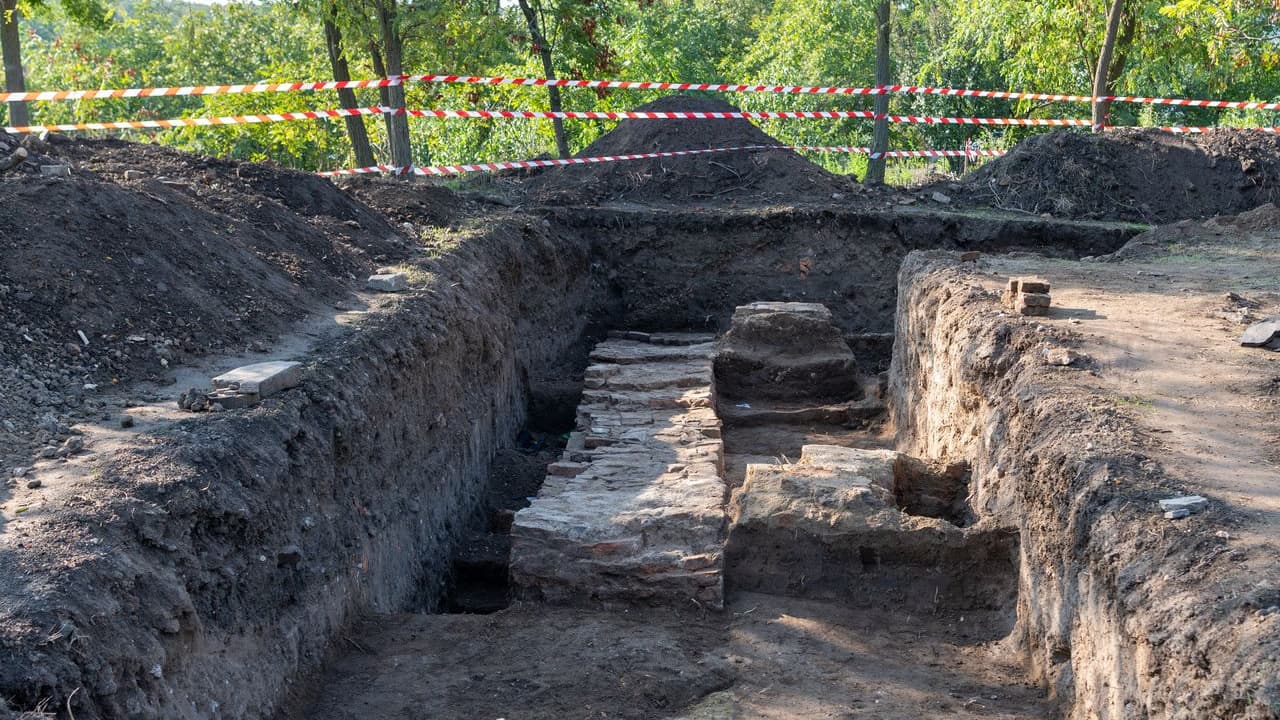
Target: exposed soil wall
[
  {"x": 688, "y": 268},
  {"x": 217, "y": 564},
  {"x": 1121, "y": 616}
]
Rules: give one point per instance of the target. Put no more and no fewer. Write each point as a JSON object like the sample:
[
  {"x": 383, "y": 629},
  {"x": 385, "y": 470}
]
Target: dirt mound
[
  {"x": 419, "y": 203},
  {"x": 146, "y": 257},
  {"x": 1136, "y": 175},
  {"x": 756, "y": 174}
]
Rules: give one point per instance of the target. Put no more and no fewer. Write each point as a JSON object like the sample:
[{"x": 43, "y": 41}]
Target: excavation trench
[
  {"x": 395, "y": 480},
  {"x": 912, "y": 592}
]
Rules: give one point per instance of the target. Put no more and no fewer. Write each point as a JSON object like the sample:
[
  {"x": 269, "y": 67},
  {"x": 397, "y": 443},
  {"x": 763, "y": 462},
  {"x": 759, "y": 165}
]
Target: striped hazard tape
[
  {"x": 191, "y": 90},
  {"x": 748, "y": 115},
  {"x": 198, "y": 122},
  {"x": 534, "y": 114},
  {"x": 557, "y": 162},
  {"x": 184, "y": 91}
]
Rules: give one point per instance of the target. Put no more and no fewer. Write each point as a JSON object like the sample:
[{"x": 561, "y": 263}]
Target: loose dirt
[
  {"x": 764, "y": 657},
  {"x": 1137, "y": 175},
  {"x": 146, "y": 259},
  {"x": 757, "y": 175}
]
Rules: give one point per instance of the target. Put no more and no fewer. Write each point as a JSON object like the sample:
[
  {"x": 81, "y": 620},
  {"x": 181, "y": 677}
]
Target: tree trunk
[
  {"x": 549, "y": 72},
  {"x": 880, "y": 136},
  {"x": 1102, "y": 74},
  {"x": 393, "y": 55},
  {"x": 11, "y": 40},
  {"x": 347, "y": 98}
]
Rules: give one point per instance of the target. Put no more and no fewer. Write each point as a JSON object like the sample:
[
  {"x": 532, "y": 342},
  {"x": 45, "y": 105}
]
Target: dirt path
[
  {"x": 764, "y": 657},
  {"x": 1161, "y": 330}
]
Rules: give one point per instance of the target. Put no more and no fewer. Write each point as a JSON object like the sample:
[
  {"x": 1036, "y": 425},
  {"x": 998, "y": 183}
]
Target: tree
[
  {"x": 570, "y": 28},
  {"x": 356, "y": 130},
  {"x": 87, "y": 12},
  {"x": 1104, "y": 77},
  {"x": 880, "y": 137},
  {"x": 543, "y": 48}
]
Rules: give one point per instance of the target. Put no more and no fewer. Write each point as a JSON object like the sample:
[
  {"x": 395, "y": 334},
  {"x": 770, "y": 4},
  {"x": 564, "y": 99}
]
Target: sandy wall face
[
  {"x": 1118, "y": 619},
  {"x": 221, "y": 561}
]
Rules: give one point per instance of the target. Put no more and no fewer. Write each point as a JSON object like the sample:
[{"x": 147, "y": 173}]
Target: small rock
[
  {"x": 1240, "y": 300},
  {"x": 388, "y": 282},
  {"x": 127, "y": 421},
  {"x": 55, "y": 170},
  {"x": 1261, "y": 333},
  {"x": 940, "y": 198},
  {"x": 1190, "y": 503},
  {"x": 48, "y": 452},
  {"x": 1062, "y": 357},
  {"x": 837, "y": 196},
  {"x": 134, "y": 175},
  {"x": 34, "y": 483}
]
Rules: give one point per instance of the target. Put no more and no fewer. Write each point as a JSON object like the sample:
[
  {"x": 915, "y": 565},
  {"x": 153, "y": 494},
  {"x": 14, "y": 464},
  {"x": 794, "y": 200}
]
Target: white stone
[
  {"x": 388, "y": 282},
  {"x": 263, "y": 379},
  {"x": 1190, "y": 503}
]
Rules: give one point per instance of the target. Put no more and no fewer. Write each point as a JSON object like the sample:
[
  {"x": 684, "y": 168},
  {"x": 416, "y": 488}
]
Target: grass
[{"x": 1134, "y": 401}]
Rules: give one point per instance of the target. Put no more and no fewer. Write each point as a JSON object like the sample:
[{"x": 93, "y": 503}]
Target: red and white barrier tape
[
  {"x": 749, "y": 115},
  {"x": 555, "y": 162},
  {"x": 1182, "y": 130},
  {"x": 578, "y": 115},
  {"x": 198, "y": 122},
  {"x": 50, "y": 95},
  {"x": 643, "y": 114},
  {"x": 190, "y": 90},
  {"x": 525, "y": 114},
  {"x": 836, "y": 90}
]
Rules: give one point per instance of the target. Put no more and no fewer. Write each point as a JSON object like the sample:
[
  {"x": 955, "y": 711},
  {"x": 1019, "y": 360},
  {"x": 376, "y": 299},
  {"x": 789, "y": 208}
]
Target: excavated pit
[{"x": 415, "y": 447}]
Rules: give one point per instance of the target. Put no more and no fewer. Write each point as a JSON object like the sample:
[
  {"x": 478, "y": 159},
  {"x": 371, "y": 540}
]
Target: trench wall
[
  {"x": 682, "y": 268},
  {"x": 1119, "y": 617},
  {"x": 185, "y": 596}
]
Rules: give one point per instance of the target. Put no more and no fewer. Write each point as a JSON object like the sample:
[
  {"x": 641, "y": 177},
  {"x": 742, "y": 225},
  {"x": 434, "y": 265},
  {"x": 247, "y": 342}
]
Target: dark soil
[
  {"x": 21, "y": 156},
  {"x": 1134, "y": 175},
  {"x": 188, "y": 256},
  {"x": 718, "y": 177}
]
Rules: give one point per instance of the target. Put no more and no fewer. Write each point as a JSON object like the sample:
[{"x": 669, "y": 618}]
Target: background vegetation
[{"x": 1187, "y": 48}]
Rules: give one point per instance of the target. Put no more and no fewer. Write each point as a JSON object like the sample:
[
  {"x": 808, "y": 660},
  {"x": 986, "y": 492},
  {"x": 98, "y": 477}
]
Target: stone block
[
  {"x": 1033, "y": 285},
  {"x": 264, "y": 379},
  {"x": 388, "y": 282},
  {"x": 233, "y": 399},
  {"x": 1190, "y": 503},
  {"x": 827, "y": 527},
  {"x": 785, "y": 351}
]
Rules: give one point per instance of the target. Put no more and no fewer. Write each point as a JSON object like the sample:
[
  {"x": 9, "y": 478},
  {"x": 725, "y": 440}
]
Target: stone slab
[
  {"x": 388, "y": 282},
  {"x": 264, "y": 379},
  {"x": 1261, "y": 333}
]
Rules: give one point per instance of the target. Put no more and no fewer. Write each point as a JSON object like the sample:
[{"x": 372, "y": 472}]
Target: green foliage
[{"x": 1196, "y": 48}]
